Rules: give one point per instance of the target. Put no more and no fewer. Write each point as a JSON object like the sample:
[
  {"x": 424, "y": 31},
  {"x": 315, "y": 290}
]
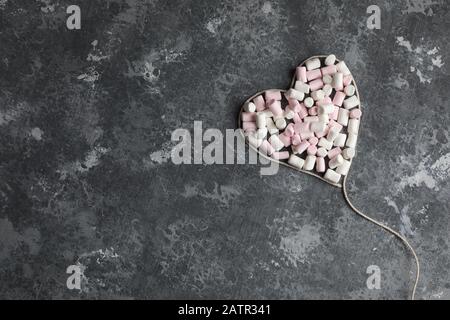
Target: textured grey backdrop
[{"x": 86, "y": 177}]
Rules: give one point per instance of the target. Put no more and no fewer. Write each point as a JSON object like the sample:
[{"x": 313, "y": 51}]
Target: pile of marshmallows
[{"x": 318, "y": 129}]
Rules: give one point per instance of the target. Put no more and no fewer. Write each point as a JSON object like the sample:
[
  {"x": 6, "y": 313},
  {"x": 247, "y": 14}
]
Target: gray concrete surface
[{"x": 86, "y": 177}]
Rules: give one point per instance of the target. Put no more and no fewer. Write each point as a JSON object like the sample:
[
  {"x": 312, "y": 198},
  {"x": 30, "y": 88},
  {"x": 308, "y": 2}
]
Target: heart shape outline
[{"x": 294, "y": 79}]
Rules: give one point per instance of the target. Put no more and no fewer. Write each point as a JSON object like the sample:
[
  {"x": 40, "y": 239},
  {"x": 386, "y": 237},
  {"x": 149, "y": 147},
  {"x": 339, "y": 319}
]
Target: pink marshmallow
[
  {"x": 320, "y": 164},
  {"x": 281, "y": 155},
  {"x": 275, "y": 107},
  {"x": 248, "y": 116},
  {"x": 296, "y": 140},
  {"x": 289, "y": 130},
  {"x": 325, "y": 101},
  {"x": 348, "y": 79},
  {"x": 294, "y": 105},
  {"x": 338, "y": 99},
  {"x": 272, "y": 95},
  {"x": 301, "y": 127},
  {"x": 259, "y": 103},
  {"x": 316, "y": 85},
  {"x": 334, "y": 152},
  {"x": 329, "y": 70},
  {"x": 303, "y": 111},
  {"x": 285, "y": 139},
  {"x": 313, "y": 141},
  {"x": 296, "y": 118},
  {"x": 300, "y": 148},
  {"x": 312, "y": 150},
  {"x": 355, "y": 113},
  {"x": 306, "y": 135},
  {"x": 313, "y": 111},
  {"x": 301, "y": 74},
  {"x": 313, "y": 74},
  {"x": 249, "y": 126},
  {"x": 266, "y": 148},
  {"x": 335, "y": 113}
]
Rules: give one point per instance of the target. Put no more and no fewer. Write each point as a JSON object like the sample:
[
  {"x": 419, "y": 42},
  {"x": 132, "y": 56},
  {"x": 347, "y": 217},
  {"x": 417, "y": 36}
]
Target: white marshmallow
[
  {"x": 302, "y": 87},
  {"x": 338, "y": 81},
  {"x": 271, "y": 126},
  {"x": 351, "y": 140},
  {"x": 261, "y": 120},
  {"x": 323, "y": 142},
  {"x": 353, "y": 126},
  {"x": 343, "y": 116},
  {"x": 330, "y": 60},
  {"x": 351, "y": 102},
  {"x": 322, "y": 152},
  {"x": 343, "y": 168},
  {"x": 332, "y": 176},
  {"x": 261, "y": 133},
  {"x": 296, "y": 161},
  {"x": 280, "y": 123},
  {"x": 327, "y": 79},
  {"x": 288, "y": 114},
  {"x": 312, "y": 64},
  {"x": 327, "y": 90},
  {"x": 348, "y": 153},
  {"x": 325, "y": 109},
  {"x": 254, "y": 141},
  {"x": 333, "y": 134},
  {"x": 267, "y": 113},
  {"x": 324, "y": 118},
  {"x": 342, "y": 67},
  {"x": 249, "y": 107},
  {"x": 318, "y": 126},
  {"x": 336, "y": 162},
  {"x": 340, "y": 140},
  {"x": 276, "y": 143},
  {"x": 318, "y": 95},
  {"x": 349, "y": 90},
  {"x": 309, "y": 162},
  {"x": 309, "y": 102},
  {"x": 295, "y": 94}
]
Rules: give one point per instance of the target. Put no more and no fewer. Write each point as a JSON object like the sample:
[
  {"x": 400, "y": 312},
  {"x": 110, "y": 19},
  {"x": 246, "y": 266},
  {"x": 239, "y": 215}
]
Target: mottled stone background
[{"x": 86, "y": 177}]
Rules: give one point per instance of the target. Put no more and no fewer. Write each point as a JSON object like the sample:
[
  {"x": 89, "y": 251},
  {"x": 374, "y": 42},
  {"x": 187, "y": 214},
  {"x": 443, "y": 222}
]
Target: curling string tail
[{"x": 388, "y": 229}]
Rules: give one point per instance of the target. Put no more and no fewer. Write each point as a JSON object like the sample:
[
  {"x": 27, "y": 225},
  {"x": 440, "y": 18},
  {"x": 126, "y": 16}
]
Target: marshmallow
[
  {"x": 303, "y": 111},
  {"x": 276, "y": 143},
  {"x": 343, "y": 168},
  {"x": 335, "y": 113},
  {"x": 318, "y": 126},
  {"x": 249, "y": 107},
  {"x": 296, "y": 140},
  {"x": 314, "y": 74},
  {"x": 355, "y": 113},
  {"x": 280, "y": 123},
  {"x": 272, "y": 95},
  {"x": 312, "y": 64},
  {"x": 339, "y": 98},
  {"x": 249, "y": 126},
  {"x": 301, "y": 86},
  {"x": 301, "y": 74},
  {"x": 295, "y": 94},
  {"x": 311, "y": 119},
  {"x": 333, "y": 133},
  {"x": 312, "y": 150},
  {"x": 327, "y": 79},
  {"x": 296, "y": 118},
  {"x": 349, "y": 90},
  {"x": 301, "y": 127},
  {"x": 261, "y": 133},
  {"x": 288, "y": 114},
  {"x": 254, "y": 141},
  {"x": 313, "y": 141},
  {"x": 261, "y": 120},
  {"x": 318, "y": 95},
  {"x": 330, "y": 60},
  {"x": 332, "y": 176},
  {"x": 296, "y": 161},
  {"x": 334, "y": 152},
  {"x": 336, "y": 162},
  {"x": 324, "y": 118},
  {"x": 343, "y": 116},
  {"x": 285, "y": 139},
  {"x": 351, "y": 140},
  {"x": 347, "y": 80},
  {"x": 275, "y": 107},
  {"x": 249, "y": 116},
  {"x": 351, "y": 102},
  {"x": 310, "y": 161},
  {"x": 353, "y": 126},
  {"x": 266, "y": 148},
  {"x": 309, "y": 102},
  {"x": 338, "y": 81},
  {"x": 280, "y": 155},
  {"x": 259, "y": 102},
  {"x": 313, "y": 111},
  {"x": 290, "y": 131},
  {"x": 322, "y": 152},
  {"x": 301, "y": 147},
  {"x": 348, "y": 153},
  {"x": 329, "y": 70},
  {"x": 325, "y": 143},
  {"x": 316, "y": 84},
  {"x": 340, "y": 140},
  {"x": 271, "y": 126},
  {"x": 320, "y": 164},
  {"x": 327, "y": 90},
  {"x": 326, "y": 108},
  {"x": 342, "y": 67}
]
